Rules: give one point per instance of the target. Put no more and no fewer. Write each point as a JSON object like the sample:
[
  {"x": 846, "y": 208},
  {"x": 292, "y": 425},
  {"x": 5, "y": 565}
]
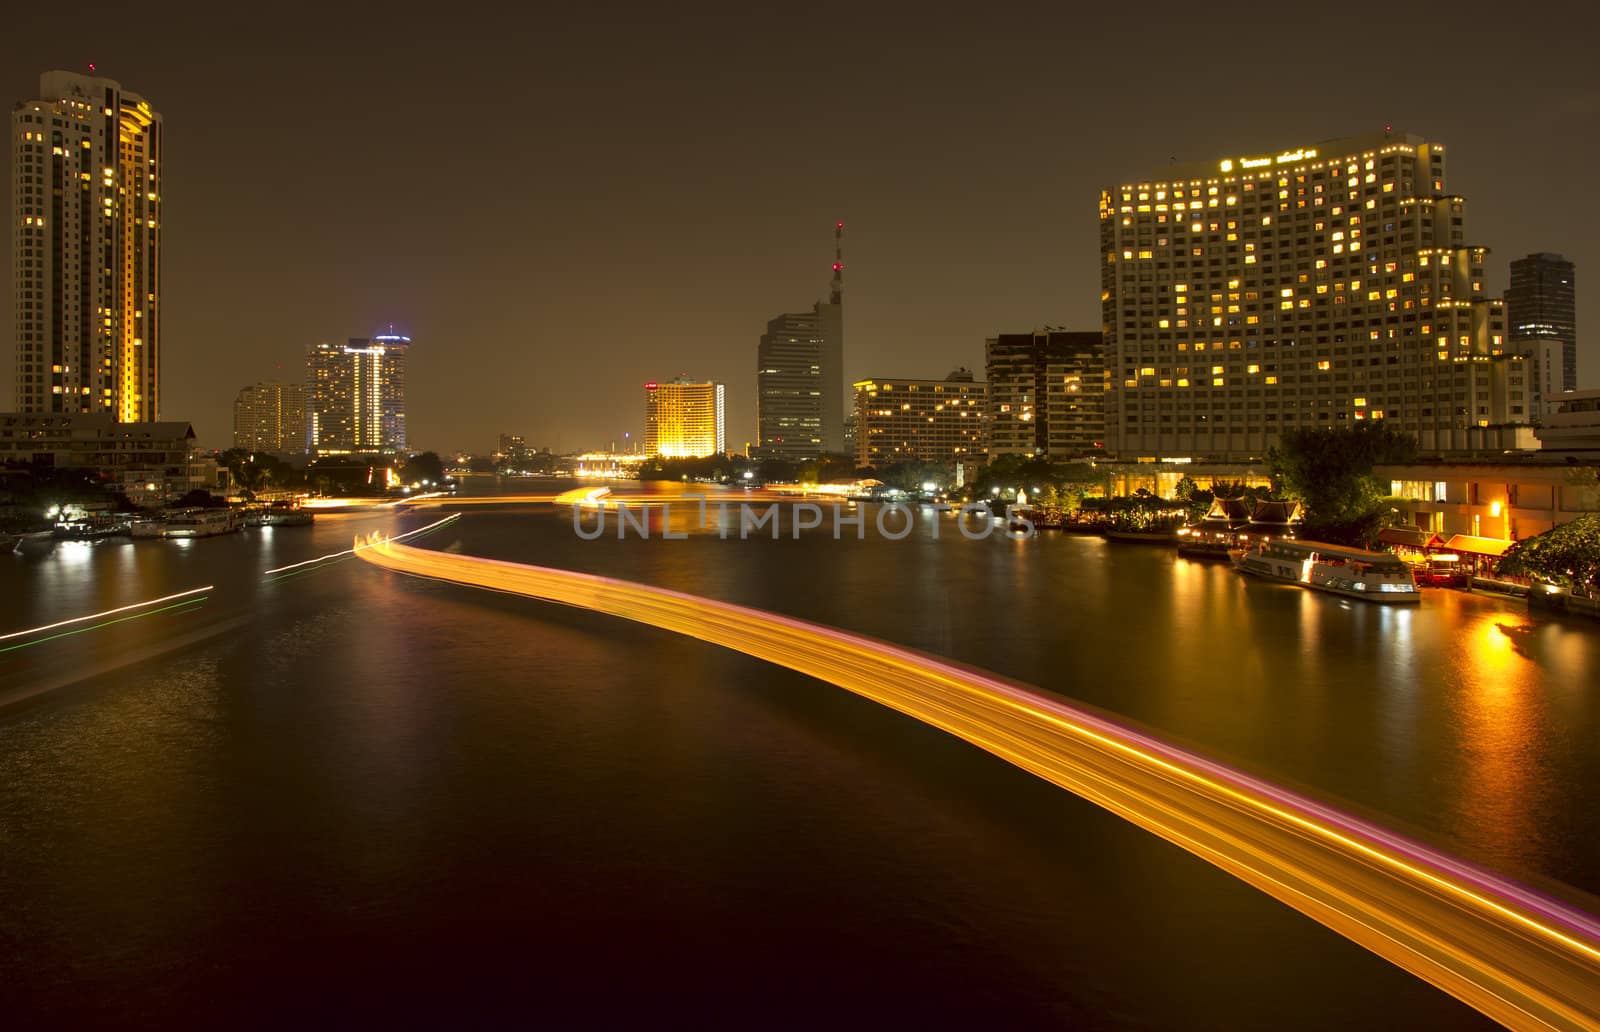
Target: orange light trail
[{"x": 1524, "y": 959}]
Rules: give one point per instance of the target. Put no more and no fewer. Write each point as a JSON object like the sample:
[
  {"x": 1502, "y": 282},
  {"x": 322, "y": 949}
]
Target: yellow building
[
  {"x": 1481, "y": 507},
  {"x": 684, "y": 418}
]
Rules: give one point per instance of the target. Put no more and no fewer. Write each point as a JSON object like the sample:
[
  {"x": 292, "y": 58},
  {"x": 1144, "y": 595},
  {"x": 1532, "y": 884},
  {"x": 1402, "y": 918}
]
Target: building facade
[
  {"x": 1573, "y": 427},
  {"x": 800, "y": 385},
  {"x": 1311, "y": 287},
  {"x": 356, "y": 396},
  {"x": 1046, "y": 393},
  {"x": 1497, "y": 501},
  {"x": 942, "y": 421},
  {"x": 87, "y": 249},
  {"x": 271, "y": 417},
  {"x": 1541, "y": 308},
  {"x": 149, "y": 462},
  {"x": 684, "y": 418}
]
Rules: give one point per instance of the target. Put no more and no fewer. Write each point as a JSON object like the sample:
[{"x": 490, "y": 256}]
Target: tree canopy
[
  {"x": 1568, "y": 555},
  {"x": 1329, "y": 471}
]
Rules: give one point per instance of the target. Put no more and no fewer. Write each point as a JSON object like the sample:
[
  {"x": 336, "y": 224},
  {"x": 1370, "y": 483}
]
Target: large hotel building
[
  {"x": 684, "y": 418},
  {"x": 87, "y": 249},
  {"x": 920, "y": 421},
  {"x": 1310, "y": 287}
]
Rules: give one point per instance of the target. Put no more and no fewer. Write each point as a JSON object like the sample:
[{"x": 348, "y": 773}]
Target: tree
[
  {"x": 1329, "y": 471},
  {"x": 423, "y": 466},
  {"x": 1568, "y": 555}
]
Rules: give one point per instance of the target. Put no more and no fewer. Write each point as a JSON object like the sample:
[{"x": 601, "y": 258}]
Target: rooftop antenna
[{"x": 836, "y": 295}]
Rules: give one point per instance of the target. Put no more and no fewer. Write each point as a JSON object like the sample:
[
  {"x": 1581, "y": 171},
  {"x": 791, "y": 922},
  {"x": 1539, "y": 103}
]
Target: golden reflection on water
[{"x": 1500, "y": 708}]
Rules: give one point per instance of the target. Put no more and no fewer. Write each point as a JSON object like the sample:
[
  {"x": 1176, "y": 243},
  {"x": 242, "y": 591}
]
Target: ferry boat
[
  {"x": 279, "y": 514},
  {"x": 203, "y": 523},
  {"x": 1351, "y": 572}
]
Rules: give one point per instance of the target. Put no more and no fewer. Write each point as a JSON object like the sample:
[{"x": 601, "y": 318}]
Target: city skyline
[{"x": 942, "y": 250}]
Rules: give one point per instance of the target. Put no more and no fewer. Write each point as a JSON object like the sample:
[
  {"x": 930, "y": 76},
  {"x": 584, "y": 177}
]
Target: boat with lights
[{"x": 1337, "y": 569}]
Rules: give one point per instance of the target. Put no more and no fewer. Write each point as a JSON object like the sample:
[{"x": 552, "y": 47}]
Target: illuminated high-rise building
[
  {"x": 271, "y": 417},
  {"x": 87, "y": 249},
  {"x": 1542, "y": 318},
  {"x": 800, "y": 376},
  {"x": 1311, "y": 287},
  {"x": 900, "y": 420},
  {"x": 684, "y": 418},
  {"x": 356, "y": 401}
]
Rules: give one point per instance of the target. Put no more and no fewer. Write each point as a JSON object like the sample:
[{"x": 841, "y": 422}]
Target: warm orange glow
[{"x": 1482, "y": 939}]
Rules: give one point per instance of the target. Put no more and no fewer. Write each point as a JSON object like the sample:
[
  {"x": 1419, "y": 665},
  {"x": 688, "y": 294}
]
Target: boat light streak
[
  {"x": 352, "y": 551},
  {"x": 1523, "y": 958},
  {"x": 108, "y": 612}
]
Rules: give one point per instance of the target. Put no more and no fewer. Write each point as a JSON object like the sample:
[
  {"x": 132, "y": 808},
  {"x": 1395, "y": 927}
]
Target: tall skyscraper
[
  {"x": 920, "y": 421},
  {"x": 1311, "y": 287},
  {"x": 87, "y": 249},
  {"x": 357, "y": 396},
  {"x": 684, "y": 418},
  {"x": 1541, "y": 306},
  {"x": 1046, "y": 393},
  {"x": 271, "y": 417},
  {"x": 800, "y": 376}
]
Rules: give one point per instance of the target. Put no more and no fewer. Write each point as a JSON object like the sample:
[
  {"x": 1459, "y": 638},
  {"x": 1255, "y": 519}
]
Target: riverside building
[
  {"x": 684, "y": 418},
  {"x": 940, "y": 421},
  {"x": 356, "y": 402},
  {"x": 1046, "y": 393},
  {"x": 87, "y": 249},
  {"x": 800, "y": 376},
  {"x": 1315, "y": 286},
  {"x": 271, "y": 417}
]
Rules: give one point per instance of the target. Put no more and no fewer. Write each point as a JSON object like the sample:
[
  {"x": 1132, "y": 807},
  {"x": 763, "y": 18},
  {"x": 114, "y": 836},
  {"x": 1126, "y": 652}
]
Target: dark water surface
[{"x": 345, "y": 794}]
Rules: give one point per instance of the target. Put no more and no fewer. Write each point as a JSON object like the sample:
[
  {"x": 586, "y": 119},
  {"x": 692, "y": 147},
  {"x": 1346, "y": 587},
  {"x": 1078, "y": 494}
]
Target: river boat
[
  {"x": 92, "y": 527},
  {"x": 1337, "y": 569},
  {"x": 198, "y": 523},
  {"x": 279, "y": 515}
]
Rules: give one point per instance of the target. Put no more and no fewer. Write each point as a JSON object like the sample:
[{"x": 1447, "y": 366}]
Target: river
[{"x": 334, "y": 793}]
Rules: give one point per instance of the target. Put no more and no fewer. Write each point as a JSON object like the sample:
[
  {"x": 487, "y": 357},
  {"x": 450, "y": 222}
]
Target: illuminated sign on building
[{"x": 1287, "y": 157}]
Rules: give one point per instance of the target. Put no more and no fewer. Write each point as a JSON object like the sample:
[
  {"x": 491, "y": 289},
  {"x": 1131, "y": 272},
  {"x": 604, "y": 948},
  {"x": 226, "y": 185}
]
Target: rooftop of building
[
  {"x": 967, "y": 380},
  {"x": 1299, "y": 156}
]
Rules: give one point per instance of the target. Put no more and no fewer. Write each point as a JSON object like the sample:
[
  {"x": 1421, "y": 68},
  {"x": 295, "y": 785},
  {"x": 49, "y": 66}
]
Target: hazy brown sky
[{"x": 561, "y": 204}]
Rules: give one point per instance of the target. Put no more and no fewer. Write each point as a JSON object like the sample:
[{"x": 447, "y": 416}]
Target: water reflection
[{"x": 1500, "y": 706}]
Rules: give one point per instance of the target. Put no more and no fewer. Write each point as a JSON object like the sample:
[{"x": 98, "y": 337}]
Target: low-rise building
[
  {"x": 1573, "y": 427},
  {"x": 149, "y": 462},
  {"x": 1480, "y": 508}
]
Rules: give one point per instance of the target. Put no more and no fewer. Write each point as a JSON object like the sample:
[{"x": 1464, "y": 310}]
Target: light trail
[
  {"x": 191, "y": 601},
  {"x": 1522, "y": 958},
  {"x": 109, "y": 612},
  {"x": 352, "y": 551}
]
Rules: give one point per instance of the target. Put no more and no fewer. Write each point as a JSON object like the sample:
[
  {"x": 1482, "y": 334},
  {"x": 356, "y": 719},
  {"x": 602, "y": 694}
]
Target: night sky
[{"x": 561, "y": 204}]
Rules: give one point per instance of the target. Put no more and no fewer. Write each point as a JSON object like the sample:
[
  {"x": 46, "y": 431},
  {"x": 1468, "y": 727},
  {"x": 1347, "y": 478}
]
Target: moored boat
[
  {"x": 279, "y": 515},
  {"x": 197, "y": 523},
  {"x": 1351, "y": 572}
]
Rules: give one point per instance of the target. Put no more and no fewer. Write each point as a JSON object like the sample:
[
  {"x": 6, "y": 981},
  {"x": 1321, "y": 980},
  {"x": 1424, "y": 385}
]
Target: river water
[{"x": 333, "y": 793}]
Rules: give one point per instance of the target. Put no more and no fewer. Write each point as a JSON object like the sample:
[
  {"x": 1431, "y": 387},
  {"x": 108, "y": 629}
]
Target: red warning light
[
  {"x": 837, "y": 266},
  {"x": 841, "y": 225}
]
